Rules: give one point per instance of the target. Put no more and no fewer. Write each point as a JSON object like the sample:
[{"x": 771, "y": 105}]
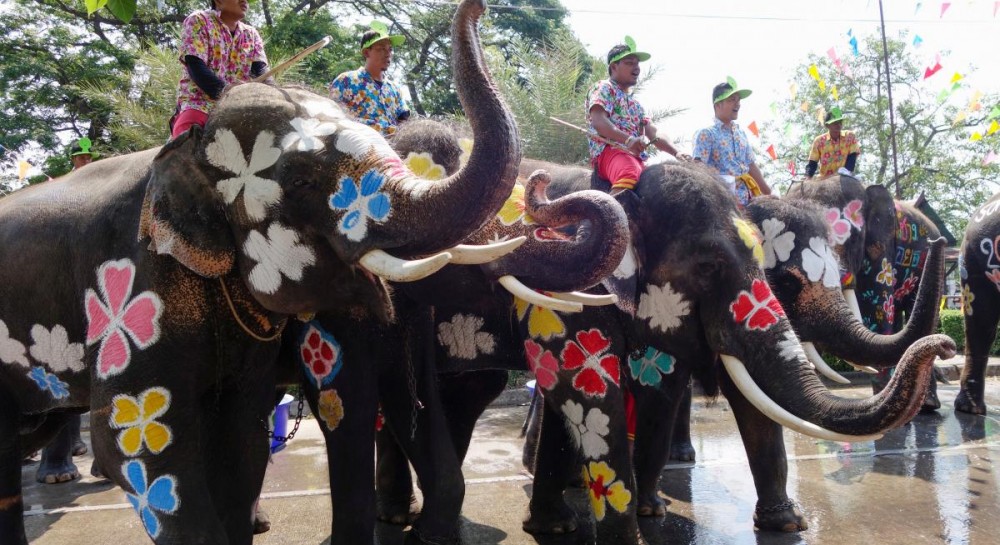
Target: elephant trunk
[
  {"x": 839, "y": 332},
  {"x": 577, "y": 239},
  {"x": 436, "y": 215}
]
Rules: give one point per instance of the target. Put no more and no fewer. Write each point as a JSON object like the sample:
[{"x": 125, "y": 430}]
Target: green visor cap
[
  {"x": 630, "y": 44},
  {"x": 82, "y": 147},
  {"x": 834, "y": 116},
  {"x": 382, "y": 33},
  {"x": 726, "y": 90}
]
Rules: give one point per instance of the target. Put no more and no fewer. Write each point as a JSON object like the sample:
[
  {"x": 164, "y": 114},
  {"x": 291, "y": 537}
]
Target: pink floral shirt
[{"x": 228, "y": 54}]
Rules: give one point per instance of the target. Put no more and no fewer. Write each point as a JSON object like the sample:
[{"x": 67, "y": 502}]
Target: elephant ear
[
  {"x": 182, "y": 213},
  {"x": 880, "y": 223},
  {"x": 624, "y": 282}
]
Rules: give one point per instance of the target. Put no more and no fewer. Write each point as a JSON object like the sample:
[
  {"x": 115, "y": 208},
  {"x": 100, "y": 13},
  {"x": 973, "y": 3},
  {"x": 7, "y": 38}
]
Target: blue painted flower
[
  {"x": 160, "y": 495},
  {"x": 362, "y": 201},
  {"x": 650, "y": 368},
  {"x": 49, "y": 382}
]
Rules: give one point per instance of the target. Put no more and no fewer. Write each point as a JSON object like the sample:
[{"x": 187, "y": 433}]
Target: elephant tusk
[
  {"x": 380, "y": 263},
  {"x": 588, "y": 299},
  {"x": 813, "y": 356},
  {"x": 742, "y": 379},
  {"x": 862, "y": 368},
  {"x": 852, "y": 303},
  {"x": 517, "y": 289},
  {"x": 468, "y": 254}
]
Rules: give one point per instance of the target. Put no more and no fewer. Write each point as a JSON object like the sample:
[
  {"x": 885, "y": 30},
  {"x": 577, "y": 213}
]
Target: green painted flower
[{"x": 650, "y": 368}]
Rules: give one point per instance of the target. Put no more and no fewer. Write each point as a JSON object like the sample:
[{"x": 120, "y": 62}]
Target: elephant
[
  {"x": 883, "y": 245},
  {"x": 197, "y": 254},
  {"x": 349, "y": 362},
  {"x": 980, "y": 276}
]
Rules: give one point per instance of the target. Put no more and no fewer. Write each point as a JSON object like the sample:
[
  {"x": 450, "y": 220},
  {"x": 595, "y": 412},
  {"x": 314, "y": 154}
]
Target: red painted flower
[
  {"x": 321, "y": 354},
  {"x": 889, "y": 306},
  {"x": 596, "y": 367},
  {"x": 543, "y": 364},
  {"x": 758, "y": 307},
  {"x": 906, "y": 287}
]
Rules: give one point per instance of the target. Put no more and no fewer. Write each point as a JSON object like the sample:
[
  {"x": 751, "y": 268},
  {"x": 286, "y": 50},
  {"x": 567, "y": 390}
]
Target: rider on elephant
[
  {"x": 366, "y": 92},
  {"x": 616, "y": 116},
  {"x": 724, "y": 145},
  {"x": 835, "y": 150},
  {"x": 217, "y": 50}
]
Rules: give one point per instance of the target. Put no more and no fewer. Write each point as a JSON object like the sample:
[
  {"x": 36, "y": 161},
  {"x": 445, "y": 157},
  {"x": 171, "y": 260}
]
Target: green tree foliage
[{"x": 935, "y": 153}]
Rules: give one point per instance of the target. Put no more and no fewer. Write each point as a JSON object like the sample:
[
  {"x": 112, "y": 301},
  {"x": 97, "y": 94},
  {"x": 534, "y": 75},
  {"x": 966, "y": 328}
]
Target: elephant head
[
  {"x": 805, "y": 274},
  {"x": 304, "y": 202}
]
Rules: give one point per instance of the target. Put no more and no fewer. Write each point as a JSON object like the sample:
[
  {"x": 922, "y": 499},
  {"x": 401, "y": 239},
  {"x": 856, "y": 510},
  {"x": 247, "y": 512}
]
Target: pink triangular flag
[
  {"x": 990, "y": 158},
  {"x": 995, "y": 6},
  {"x": 944, "y": 7}
]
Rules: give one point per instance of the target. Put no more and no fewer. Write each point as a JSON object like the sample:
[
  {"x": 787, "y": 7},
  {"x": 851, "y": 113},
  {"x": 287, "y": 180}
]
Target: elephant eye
[{"x": 302, "y": 183}]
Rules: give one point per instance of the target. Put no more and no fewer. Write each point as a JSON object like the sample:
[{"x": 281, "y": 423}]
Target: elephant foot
[
  {"x": 651, "y": 506},
  {"x": 53, "y": 473},
  {"x": 96, "y": 472},
  {"x": 783, "y": 517},
  {"x": 397, "y": 511},
  {"x": 555, "y": 518},
  {"x": 968, "y": 402},
  {"x": 261, "y": 522},
  {"x": 683, "y": 452},
  {"x": 80, "y": 448}
]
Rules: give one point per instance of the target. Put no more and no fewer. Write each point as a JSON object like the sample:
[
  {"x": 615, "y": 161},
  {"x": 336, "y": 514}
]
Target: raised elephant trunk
[
  {"x": 434, "y": 216},
  {"x": 844, "y": 335}
]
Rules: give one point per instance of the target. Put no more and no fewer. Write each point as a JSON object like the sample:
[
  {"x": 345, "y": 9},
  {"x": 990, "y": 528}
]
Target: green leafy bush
[{"x": 953, "y": 325}]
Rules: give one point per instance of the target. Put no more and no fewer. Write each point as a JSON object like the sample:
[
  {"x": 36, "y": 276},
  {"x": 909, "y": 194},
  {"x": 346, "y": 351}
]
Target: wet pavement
[{"x": 932, "y": 481}]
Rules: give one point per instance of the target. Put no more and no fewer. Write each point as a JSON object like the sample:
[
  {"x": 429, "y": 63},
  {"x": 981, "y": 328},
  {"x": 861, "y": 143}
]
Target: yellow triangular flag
[
  {"x": 814, "y": 72},
  {"x": 960, "y": 117},
  {"x": 976, "y": 137},
  {"x": 22, "y": 169},
  {"x": 956, "y": 77},
  {"x": 834, "y": 93},
  {"x": 820, "y": 114},
  {"x": 804, "y": 106},
  {"x": 994, "y": 127}
]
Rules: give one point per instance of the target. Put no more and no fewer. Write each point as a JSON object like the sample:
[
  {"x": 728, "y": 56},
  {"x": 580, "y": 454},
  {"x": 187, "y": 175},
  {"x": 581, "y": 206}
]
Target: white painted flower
[
  {"x": 778, "y": 243},
  {"x": 497, "y": 237},
  {"x": 359, "y": 140},
  {"x": 790, "y": 348},
  {"x": 11, "y": 351},
  {"x": 226, "y": 153},
  {"x": 628, "y": 266},
  {"x": 307, "y": 134},
  {"x": 463, "y": 338},
  {"x": 323, "y": 110},
  {"x": 588, "y": 433},
  {"x": 277, "y": 254},
  {"x": 54, "y": 349},
  {"x": 663, "y": 307},
  {"x": 820, "y": 263}
]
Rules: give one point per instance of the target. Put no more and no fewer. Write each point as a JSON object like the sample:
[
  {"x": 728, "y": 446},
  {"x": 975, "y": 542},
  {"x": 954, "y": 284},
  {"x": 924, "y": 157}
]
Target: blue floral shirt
[
  {"x": 379, "y": 105},
  {"x": 724, "y": 148}
]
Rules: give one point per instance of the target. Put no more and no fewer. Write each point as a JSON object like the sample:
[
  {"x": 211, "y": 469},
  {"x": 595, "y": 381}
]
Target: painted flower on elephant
[
  {"x": 588, "y": 431},
  {"x": 278, "y": 254},
  {"x": 48, "y": 382},
  {"x": 363, "y": 142},
  {"x": 663, "y": 307},
  {"x": 967, "y": 298},
  {"x": 463, "y": 338},
  {"x": 543, "y": 323},
  {"x": 885, "y": 275},
  {"x": 362, "y": 201},
  {"x": 331, "y": 409},
  {"x": 750, "y": 237},
  {"x": 852, "y": 213},
  {"x": 790, "y": 348},
  {"x": 136, "y": 416},
  {"x": 112, "y": 318},
  {"x": 225, "y": 152},
  {"x": 150, "y": 498},
  {"x": 907, "y": 286},
  {"x": 840, "y": 221},
  {"x": 307, "y": 134},
  {"x": 589, "y": 355},
  {"x": 604, "y": 490},
  {"x": 54, "y": 349},
  {"x": 320, "y": 354},
  {"x": 650, "y": 368},
  {"x": 758, "y": 308},
  {"x": 778, "y": 243},
  {"x": 513, "y": 209},
  {"x": 422, "y": 164},
  {"x": 542, "y": 363},
  {"x": 820, "y": 263},
  {"x": 993, "y": 275},
  {"x": 11, "y": 350}
]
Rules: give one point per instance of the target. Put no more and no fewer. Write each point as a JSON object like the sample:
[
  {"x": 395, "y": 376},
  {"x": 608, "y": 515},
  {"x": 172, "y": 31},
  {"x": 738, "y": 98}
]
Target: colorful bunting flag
[
  {"x": 814, "y": 72},
  {"x": 994, "y": 127},
  {"x": 917, "y": 41},
  {"x": 834, "y": 93},
  {"x": 22, "y": 169},
  {"x": 791, "y": 168},
  {"x": 804, "y": 106},
  {"x": 991, "y": 157},
  {"x": 960, "y": 118},
  {"x": 916, "y": 9},
  {"x": 788, "y": 129},
  {"x": 854, "y": 40},
  {"x": 772, "y": 152},
  {"x": 794, "y": 90},
  {"x": 956, "y": 77},
  {"x": 995, "y": 6},
  {"x": 931, "y": 70},
  {"x": 752, "y": 127},
  {"x": 994, "y": 113},
  {"x": 944, "y": 7},
  {"x": 774, "y": 108},
  {"x": 976, "y": 136}
]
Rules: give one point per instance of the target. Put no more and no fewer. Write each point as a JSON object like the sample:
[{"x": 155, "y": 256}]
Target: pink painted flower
[
  {"x": 840, "y": 229},
  {"x": 596, "y": 367},
  {"x": 757, "y": 307},
  {"x": 889, "y": 306},
  {"x": 907, "y": 286},
  {"x": 112, "y": 316},
  {"x": 543, "y": 364},
  {"x": 852, "y": 213}
]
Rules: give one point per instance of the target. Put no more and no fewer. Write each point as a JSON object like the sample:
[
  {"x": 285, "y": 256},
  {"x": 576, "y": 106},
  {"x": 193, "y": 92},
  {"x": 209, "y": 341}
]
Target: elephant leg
[
  {"x": 555, "y": 464},
  {"x": 658, "y": 411},
  {"x": 57, "y": 457},
  {"x": 79, "y": 447},
  {"x": 765, "y": 447},
  {"x": 681, "y": 447},
  {"x": 11, "y": 501},
  {"x": 980, "y": 332},
  {"x": 531, "y": 430},
  {"x": 395, "y": 502},
  {"x": 465, "y": 397}
]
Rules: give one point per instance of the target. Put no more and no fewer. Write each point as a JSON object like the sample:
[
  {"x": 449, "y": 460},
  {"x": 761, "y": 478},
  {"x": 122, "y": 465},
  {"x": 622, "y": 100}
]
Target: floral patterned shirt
[
  {"x": 624, "y": 111},
  {"x": 724, "y": 148},
  {"x": 379, "y": 105},
  {"x": 228, "y": 54},
  {"x": 830, "y": 154}
]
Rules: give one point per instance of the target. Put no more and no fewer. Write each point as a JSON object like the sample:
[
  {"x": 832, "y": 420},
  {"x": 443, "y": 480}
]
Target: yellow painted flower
[
  {"x": 967, "y": 298},
  {"x": 466, "y": 145},
  {"x": 512, "y": 210},
  {"x": 331, "y": 409},
  {"x": 422, "y": 164},
  {"x": 543, "y": 323},
  {"x": 751, "y": 237},
  {"x": 137, "y": 417},
  {"x": 604, "y": 489}
]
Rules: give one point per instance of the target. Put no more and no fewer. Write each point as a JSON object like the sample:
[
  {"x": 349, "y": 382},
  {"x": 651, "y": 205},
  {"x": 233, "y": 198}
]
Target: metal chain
[{"x": 295, "y": 428}]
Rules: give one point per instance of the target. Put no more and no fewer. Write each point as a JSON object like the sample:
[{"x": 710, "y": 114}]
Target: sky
[{"x": 759, "y": 43}]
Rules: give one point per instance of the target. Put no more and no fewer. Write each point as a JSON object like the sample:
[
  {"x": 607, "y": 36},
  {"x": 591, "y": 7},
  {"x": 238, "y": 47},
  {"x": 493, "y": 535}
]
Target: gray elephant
[
  {"x": 980, "y": 273},
  {"x": 151, "y": 288}
]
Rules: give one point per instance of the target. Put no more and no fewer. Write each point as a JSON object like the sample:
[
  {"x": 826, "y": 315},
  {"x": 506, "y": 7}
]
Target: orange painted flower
[
  {"x": 137, "y": 417},
  {"x": 331, "y": 409}
]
